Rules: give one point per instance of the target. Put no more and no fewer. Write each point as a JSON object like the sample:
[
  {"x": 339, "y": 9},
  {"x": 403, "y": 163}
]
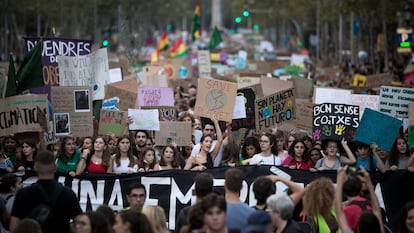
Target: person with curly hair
[{"x": 318, "y": 203}]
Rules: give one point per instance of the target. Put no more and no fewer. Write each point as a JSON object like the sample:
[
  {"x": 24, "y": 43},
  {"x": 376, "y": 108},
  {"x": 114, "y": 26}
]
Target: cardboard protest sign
[
  {"x": 244, "y": 82},
  {"x": 273, "y": 85},
  {"x": 88, "y": 70},
  {"x": 304, "y": 113},
  {"x": 72, "y": 111},
  {"x": 215, "y": 98},
  {"x": 144, "y": 119},
  {"x": 112, "y": 122},
  {"x": 331, "y": 95},
  {"x": 177, "y": 68},
  {"x": 19, "y": 114},
  {"x": 174, "y": 132},
  {"x": 51, "y": 48},
  {"x": 303, "y": 87},
  {"x": 155, "y": 96},
  {"x": 376, "y": 80},
  {"x": 394, "y": 100},
  {"x": 126, "y": 90},
  {"x": 335, "y": 121},
  {"x": 275, "y": 109},
  {"x": 165, "y": 113},
  {"x": 379, "y": 128},
  {"x": 204, "y": 63},
  {"x": 154, "y": 76},
  {"x": 365, "y": 101}
]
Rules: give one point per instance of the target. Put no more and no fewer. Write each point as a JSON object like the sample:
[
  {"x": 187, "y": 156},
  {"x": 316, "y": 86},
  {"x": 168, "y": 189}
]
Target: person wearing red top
[
  {"x": 98, "y": 160},
  {"x": 298, "y": 156}
]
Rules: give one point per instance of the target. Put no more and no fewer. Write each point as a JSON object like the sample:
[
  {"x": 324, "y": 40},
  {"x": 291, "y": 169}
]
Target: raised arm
[
  {"x": 297, "y": 191},
  {"x": 80, "y": 168},
  {"x": 340, "y": 216},
  {"x": 366, "y": 179},
  {"x": 351, "y": 157},
  {"x": 219, "y": 134},
  {"x": 380, "y": 164}
]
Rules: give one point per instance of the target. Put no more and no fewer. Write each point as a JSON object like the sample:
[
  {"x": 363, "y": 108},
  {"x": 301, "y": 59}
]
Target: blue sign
[{"x": 379, "y": 128}]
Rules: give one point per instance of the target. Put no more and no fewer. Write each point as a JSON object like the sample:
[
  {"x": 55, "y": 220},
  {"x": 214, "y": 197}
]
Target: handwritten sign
[
  {"x": 144, "y": 119},
  {"x": 89, "y": 70},
  {"x": 154, "y": 76},
  {"x": 331, "y": 95},
  {"x": 365, "y": 101},
  {"x": 216, "y": 98},
  {"x": 20, "y": 113},
  {"x": 155, "y": 96},
  {"x": 304, "y": 113},
  {"x": 165, "y": 113},
  {"x": 379, "y": 128},
  {"x": 204, "y": 63},
  {"x": 275, "y": 109},
  {"x": 394, "y": 100},
  {"x": 174, "y": 132},
  {"x": 52, "y": 47},
  {"x": 69, "y": 105},
  {"x": 112, "y": 122},
  {"x": 335, "y": 121}
]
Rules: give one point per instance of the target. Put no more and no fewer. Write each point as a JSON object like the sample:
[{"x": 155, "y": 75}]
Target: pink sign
[{"x": 155, "y": 96}]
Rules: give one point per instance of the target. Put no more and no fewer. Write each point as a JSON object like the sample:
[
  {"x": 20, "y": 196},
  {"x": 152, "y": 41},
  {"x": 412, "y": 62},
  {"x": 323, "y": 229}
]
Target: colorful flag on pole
[
  {"x": 163, "y": 43},
  {"x": 11, "y": 79},
  {"x": 30, "y": 74},
  {"x": 178, "y": 49},
  {"x": 196, "y": 25},
  {"x": 215, "y": 39}
]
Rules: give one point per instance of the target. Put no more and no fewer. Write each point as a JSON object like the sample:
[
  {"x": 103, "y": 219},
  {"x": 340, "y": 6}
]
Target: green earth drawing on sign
[{"x": 215, "y": 99}]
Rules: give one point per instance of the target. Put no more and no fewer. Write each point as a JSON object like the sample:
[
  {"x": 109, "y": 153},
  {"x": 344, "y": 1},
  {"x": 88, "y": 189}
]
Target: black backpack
[{"x": 43, "y": 211}]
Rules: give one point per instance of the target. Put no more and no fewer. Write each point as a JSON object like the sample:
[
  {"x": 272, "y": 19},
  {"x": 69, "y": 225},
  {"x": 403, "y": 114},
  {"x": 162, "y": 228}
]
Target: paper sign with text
[
  {"x": 174, "y": 132},
  {"x": 144, "y": 119},
  {"x": 275, "y": 109},
  {"x": 155, "y": 96},
  {"x": 331, "y": 95},
  {"x": 365, "y": 101},
  {"x": 18, "y": 114},
  {"x": 88, "y": 70},
  {"x": 379, "y": 128},
  {"x": 204, "y": 63},
  {"x": 239, "y": 111},
  {"x": 304, "y": 111},
  {"x": 215, "y": 98},
  {"x": 72, "y": 110},
  {"x": 394, "y": 100},
  {"x": 335, "y": 121},
  {"x": 112, "y": 122}
]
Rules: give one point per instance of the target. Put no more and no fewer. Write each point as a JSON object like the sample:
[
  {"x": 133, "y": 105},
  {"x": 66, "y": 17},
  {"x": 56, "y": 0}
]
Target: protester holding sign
[
  {"x": 332, "y": 161},
  {"x": 371, "y": 162},
  {"x": 205, "y": 159}
]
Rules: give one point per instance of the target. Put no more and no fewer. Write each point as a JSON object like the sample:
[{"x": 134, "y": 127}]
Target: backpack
[
  {"x": 363, "y": 205},
  {"x": 43, "y": 211}
]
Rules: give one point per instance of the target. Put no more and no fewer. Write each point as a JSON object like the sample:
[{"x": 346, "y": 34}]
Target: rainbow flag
[
  {"x": 178, "y": 49},
  {"x": 196, "y": 25}
]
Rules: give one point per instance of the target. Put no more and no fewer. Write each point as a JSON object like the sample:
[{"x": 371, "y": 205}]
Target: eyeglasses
[{"x": 137, "y": 195}]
